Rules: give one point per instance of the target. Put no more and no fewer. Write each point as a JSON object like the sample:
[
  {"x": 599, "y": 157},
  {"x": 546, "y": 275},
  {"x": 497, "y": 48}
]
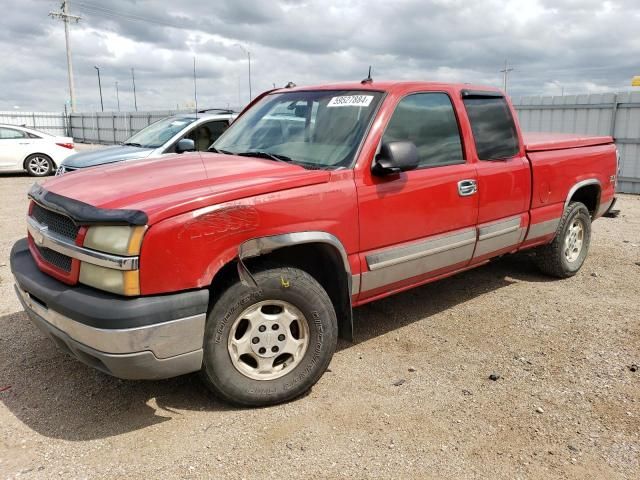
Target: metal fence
[
  {"x": 49, "y": 122},
  {"x": 112, "y": 127},
  {"x": 612, "y": 114}
]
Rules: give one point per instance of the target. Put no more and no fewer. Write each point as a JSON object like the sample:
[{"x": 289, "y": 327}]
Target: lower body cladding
[
  {"x": 132, "y": 338},
  {"x": 451, "y": 250}
]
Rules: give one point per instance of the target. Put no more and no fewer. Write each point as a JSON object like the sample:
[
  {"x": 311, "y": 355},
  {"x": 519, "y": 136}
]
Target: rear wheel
[
  {"x": 38, "y": 165},
  {"x": 564, "y": 256},
  {"x": 269, "y": 344}
]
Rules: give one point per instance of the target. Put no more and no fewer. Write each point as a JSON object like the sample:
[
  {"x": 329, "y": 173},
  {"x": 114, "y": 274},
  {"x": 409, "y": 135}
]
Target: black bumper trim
[{"x": 100, "y": 309}]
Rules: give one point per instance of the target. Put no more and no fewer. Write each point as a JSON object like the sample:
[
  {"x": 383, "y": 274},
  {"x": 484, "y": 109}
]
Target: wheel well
[
  {"x": 589, "y": 195},
  {"x": 320, "y": 260}
]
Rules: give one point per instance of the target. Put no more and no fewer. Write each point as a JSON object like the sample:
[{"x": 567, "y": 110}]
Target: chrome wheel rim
[
  {"x": 38, "y": 165},
  {"x": 268, "y": 340},
  {"x": 574, "y": 240}
]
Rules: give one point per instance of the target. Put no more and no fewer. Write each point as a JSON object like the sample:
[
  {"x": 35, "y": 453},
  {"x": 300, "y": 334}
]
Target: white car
[{"x": 36, "y": 152}]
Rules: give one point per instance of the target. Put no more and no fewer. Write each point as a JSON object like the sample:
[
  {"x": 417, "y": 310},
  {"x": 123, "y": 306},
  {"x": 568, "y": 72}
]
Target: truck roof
[{"x": 390, "y": 85}]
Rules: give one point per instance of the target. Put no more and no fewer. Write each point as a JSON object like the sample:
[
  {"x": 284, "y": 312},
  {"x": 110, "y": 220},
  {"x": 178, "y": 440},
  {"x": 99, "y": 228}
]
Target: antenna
[
  {"x": 368, "y": 79},
  {"x": 195, "y": 86}
]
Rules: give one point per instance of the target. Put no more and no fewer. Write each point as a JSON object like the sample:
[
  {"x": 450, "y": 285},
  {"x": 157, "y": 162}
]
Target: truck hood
[
  {"x": 165, "y": 187},
  {"x": 102, "y": 156}
]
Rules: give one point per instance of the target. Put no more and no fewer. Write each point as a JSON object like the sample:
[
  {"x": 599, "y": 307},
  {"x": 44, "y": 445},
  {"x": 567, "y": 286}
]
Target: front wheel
[
  {"x": 564, "y": 256},
  {"x": 269, "y": 344},
  {"x": 38, "y": 165}
]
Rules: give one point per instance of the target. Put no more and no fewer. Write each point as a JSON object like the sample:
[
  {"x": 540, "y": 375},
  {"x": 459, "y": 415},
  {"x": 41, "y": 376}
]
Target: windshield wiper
[
  {"x": 213, "y": 149},
  {"x": 270, "y": 156},
  {"x": 132, "y": 144}
]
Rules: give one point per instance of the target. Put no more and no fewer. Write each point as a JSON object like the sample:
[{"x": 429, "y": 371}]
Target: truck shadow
[{"x": 58, "y": 397}]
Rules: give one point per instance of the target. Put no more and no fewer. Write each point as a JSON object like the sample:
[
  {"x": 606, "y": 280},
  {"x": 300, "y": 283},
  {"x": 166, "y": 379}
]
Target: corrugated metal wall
[
  {"x": 596, "y": 114},
  {"x": 113, "y": 127},
  {"x": 48, "y": 122}
]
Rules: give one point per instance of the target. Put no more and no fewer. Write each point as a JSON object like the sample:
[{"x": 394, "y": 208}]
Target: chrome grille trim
[
  {"x": 43, "y": 237},
  {"x": 56, "y": 222}
]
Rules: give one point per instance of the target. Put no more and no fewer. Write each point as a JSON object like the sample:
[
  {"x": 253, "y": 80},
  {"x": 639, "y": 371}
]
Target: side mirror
[
  {"x": 185, "y": 145},
  {"x": 395, "y": 157}
]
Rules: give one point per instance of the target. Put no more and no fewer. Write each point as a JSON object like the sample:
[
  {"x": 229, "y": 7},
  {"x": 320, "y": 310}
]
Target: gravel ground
[{"x": 410, "y": 399}]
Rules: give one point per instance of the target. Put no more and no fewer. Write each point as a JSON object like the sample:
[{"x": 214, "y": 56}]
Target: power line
[{"x": 109, "y": 13}]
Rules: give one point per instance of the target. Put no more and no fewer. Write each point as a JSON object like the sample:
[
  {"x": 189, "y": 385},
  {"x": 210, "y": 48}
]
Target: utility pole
[
  {"x": 117, "y": 95},
  {"x": 66, "y": 17},
  {"x": 249, "y": 60},
  {"x": 100, "y": 88},
  {"x": 505, "y": 74},
  {"x": 195, "y": 87},
  {"x": 133, "y": 79}
]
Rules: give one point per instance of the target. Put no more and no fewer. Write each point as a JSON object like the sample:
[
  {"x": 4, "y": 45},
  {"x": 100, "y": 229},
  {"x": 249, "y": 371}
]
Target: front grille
[
  {"x": 56, "y": 222},
  {"x": 62, "y": 170},
  {"x": 58, "y": 260}
]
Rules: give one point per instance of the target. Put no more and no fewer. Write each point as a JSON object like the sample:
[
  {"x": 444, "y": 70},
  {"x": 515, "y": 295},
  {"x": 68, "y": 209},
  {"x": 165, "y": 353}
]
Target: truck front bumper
[{"x": 134, "y": 338}]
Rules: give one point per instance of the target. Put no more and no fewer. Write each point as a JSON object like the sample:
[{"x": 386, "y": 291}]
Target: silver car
[{"x": 175, "y": 134}]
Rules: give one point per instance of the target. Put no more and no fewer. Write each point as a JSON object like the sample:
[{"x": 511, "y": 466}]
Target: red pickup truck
[{"x": 244, "y": 262}]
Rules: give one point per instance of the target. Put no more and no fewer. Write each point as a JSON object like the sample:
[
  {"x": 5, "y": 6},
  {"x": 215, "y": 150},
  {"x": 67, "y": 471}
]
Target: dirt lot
[{"x": 566, "y": 404}]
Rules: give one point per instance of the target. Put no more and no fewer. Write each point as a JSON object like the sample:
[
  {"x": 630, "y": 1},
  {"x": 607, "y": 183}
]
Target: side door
[
  {"x": 422, "y": 223},
  {"x": 504, "y": 174},
  {"x": 13, "y": 148}
]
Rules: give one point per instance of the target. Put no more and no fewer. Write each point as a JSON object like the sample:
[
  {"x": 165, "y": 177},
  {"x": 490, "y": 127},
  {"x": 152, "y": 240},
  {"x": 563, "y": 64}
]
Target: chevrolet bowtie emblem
[{"x": 39, "y": 236}]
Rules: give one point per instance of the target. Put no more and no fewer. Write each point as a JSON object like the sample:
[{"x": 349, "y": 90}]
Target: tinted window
[
  {"x": 9, "y": 133},
  {"x": 493, "y": 128},
  {"x": 427, "y": 120}
]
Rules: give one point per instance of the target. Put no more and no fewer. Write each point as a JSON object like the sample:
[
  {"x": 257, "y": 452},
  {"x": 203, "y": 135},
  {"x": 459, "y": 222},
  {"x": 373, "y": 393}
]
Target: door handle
[{"x": 467, "y": 187}]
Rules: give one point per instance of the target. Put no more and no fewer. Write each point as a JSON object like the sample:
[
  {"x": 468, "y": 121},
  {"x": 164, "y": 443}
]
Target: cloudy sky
[{"x": 576, "y": 45}]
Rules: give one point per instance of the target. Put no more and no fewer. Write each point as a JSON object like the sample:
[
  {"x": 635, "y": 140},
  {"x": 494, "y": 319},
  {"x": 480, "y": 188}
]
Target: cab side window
[
  {"x": 429, "y": 121},
  {"x": 494, "y": 130}
]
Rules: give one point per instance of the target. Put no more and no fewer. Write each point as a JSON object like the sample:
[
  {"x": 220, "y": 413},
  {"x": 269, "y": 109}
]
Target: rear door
[
  {"x": 504, "y": 174},
  {"x": 418, "y": 224}
]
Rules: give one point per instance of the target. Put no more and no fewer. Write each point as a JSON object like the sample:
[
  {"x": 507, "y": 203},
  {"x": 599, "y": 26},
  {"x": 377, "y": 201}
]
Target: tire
[
  {"x": 38, "y": 165},
  {"x": 234, "y": 337},
  {"x": 566, "y": 254}
]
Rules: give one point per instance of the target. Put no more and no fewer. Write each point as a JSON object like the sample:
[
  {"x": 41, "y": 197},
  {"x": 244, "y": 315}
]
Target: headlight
[
  {"x": 119, "y": 240},
  {"x": 122, "y": 282}
]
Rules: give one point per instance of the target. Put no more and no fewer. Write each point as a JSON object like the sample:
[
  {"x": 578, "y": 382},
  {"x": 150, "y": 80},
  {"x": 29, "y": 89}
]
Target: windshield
[
  {"x": 159, "y": 133},
  {"x": 318, "y": 129}
]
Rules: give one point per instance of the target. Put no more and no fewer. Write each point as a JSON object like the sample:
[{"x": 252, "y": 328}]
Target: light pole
[
  {"x": 135, "y": 99},
  {"x": 249, "y": 61},
  {"x": 99, "y": 88},
  {"x": 117, "y": 95}
]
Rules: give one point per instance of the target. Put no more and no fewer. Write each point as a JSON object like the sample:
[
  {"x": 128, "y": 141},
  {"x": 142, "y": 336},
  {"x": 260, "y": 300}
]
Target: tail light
[{"x": 65, "y": 145}]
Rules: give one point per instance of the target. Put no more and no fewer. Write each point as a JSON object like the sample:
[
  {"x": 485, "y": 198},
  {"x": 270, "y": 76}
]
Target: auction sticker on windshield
[{"x": 351, "y": 101}]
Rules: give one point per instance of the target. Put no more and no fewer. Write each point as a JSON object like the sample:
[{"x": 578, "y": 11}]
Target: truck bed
[{"x": 542, "y": 142}]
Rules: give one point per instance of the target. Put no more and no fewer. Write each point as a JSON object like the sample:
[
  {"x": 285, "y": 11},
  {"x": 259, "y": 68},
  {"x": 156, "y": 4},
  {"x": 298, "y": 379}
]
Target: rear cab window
[{"x": 492, "y": 124}]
